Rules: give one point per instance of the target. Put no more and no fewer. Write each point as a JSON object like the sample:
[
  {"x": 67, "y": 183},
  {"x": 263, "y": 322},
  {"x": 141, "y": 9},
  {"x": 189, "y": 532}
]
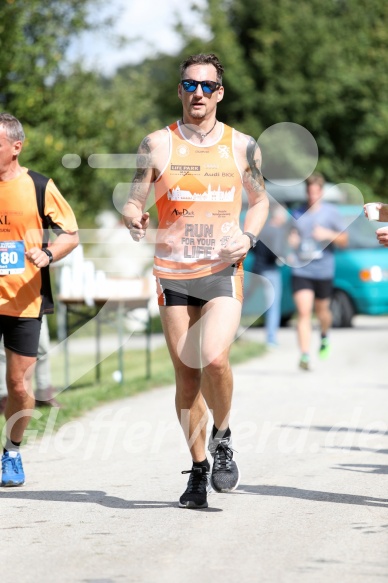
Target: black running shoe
[
  {"x": 225, "y": 473},
  {"x": 198, "y": 486}
]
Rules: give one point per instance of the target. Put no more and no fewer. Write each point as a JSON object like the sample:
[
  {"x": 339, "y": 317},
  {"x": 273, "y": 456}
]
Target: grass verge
[{"x": 85, "y": 394}]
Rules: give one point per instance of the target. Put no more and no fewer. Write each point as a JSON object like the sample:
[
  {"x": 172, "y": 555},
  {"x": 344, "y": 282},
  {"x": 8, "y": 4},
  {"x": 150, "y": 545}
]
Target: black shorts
[
  {"x": 196, "y": 292},
  {"x": 21, "y": 335},
  {"x": 322, "y": 288}
]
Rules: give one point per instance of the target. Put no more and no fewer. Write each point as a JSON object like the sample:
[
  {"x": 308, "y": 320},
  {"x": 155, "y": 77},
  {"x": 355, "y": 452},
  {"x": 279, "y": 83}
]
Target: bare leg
[
  {"x": 220, "y": 321},
  {"x": 323, "y": 313},
  {"x": 199, "y": 342},
  {"x": 304, "y": 301},
  {"x": 181, "y": 329},
  {"x": 20, "y": 399}
]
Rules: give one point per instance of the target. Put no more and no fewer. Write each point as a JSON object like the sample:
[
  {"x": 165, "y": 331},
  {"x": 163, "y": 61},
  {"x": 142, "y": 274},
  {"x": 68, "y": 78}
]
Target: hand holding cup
[{"x": 372, "y": 211}]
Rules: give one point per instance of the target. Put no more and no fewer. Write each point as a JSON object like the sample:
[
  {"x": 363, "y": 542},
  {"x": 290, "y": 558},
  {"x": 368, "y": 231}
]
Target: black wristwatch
[
  {"x": 49, "y": 254},
  {"x": 252, "y": 239}
]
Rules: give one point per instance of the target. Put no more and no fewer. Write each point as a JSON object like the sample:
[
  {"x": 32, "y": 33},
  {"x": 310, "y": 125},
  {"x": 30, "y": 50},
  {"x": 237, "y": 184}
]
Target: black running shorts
[
  {"x": 196, "y": 292},
  {"x": 322, "y": 288},
  {"x": 21, "y": 335}
]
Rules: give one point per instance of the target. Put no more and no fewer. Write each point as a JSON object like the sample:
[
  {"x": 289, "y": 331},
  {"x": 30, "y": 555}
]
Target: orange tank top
[
  {"x": 24, "y": 289},
  {"x": 198, "y": 198}
]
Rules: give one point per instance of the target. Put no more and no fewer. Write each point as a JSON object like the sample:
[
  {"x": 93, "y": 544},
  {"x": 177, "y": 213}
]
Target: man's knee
[
  {"x": 19, "y": 378},
  {"x": 189, "y": 378},
  {"x": 19, "y": 390},
  {"x": 217, "y": 365}
]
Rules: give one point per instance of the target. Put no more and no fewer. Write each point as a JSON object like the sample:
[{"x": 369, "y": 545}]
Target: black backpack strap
[{"x": 40, "y": 183}]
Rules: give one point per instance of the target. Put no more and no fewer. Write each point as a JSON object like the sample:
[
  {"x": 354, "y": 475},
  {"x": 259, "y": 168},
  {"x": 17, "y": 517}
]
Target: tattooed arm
[
  {"x": 248, "y": 158},
  {"x": 147, "y": 162},
  {"x": 254, "y": 185}
]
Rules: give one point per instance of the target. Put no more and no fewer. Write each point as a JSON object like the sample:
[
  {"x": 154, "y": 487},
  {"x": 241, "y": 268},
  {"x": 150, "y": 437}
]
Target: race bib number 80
[{"x": 11, "y": 257}]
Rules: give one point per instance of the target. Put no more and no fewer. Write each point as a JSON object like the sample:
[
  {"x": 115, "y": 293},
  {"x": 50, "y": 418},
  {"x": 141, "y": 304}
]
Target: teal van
[{"x": 361, "y": 273}]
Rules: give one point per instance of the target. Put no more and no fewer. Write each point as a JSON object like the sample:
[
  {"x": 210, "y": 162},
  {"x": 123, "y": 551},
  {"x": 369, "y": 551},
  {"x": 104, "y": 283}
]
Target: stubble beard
[{"x": 197, "y": 114}]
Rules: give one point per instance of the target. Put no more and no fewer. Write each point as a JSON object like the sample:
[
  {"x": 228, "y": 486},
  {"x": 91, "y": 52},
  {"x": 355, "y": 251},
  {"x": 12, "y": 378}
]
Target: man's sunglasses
[{"x": 208, "y": 87}]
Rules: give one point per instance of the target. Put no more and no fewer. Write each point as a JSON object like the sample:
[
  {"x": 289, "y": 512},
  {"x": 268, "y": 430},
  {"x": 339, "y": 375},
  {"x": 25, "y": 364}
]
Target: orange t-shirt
[
  {"x": 24, "y": 293},
  {"x": 198, "y": 197}
]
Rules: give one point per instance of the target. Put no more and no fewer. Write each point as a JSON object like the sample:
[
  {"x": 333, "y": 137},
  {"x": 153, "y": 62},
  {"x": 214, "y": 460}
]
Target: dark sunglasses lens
[
  {"x": 189, "y": 86},
  {"x": 207, "y": 88}
]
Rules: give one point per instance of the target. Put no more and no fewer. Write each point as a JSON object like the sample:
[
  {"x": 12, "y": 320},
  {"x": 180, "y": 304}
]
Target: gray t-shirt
[{"x": 315, "y": 259}]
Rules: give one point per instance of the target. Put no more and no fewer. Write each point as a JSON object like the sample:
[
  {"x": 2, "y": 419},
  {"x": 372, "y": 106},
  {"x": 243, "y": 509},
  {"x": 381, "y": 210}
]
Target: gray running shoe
[
  {"x": 304, "y": 363},
  {"x": 198, "y": 487},
  {"x": 225, "y": 474}
]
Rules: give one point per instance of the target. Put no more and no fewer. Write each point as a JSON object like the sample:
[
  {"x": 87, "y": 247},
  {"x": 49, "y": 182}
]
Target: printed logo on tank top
[
  {"x": 219, "y": 214},
  {"x": 224, "y": 151},
  {"x": 183, "y": 150},
  {"x": 183, "y": 213},
  {"x": 4, "y": 220},
  {"x": 184, "y": 169}
]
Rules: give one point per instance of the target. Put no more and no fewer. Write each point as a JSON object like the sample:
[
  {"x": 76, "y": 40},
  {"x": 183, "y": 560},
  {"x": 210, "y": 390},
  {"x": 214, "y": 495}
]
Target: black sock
[
  {"x": 205, "y": 464},
  {"x": 221, "y": 433}
]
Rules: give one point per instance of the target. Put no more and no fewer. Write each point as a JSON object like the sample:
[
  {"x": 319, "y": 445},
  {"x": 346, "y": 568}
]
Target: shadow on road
[
  {"x": 93, "y": 497},
  {"x": 313, "y": 495},
  {"x": 364, "y": 468},
  {"x": 336, "y": 429}
]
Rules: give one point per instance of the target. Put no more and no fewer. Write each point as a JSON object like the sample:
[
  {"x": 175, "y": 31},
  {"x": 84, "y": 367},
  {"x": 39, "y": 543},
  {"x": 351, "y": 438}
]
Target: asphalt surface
[{"x": 100, "y": 502}]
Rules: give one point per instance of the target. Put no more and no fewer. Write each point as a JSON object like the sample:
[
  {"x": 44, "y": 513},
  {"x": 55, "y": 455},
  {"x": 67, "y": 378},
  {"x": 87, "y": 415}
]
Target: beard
[{"x": 197, "y": 114}]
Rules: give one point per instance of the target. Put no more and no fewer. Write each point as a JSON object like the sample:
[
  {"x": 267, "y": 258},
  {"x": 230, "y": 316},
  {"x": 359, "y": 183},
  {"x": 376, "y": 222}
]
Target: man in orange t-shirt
[
  {"x": 25, "y": 293},
  {"x": 198, "y": 167}
]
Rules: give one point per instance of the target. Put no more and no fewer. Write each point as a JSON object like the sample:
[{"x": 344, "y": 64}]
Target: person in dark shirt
[{"x": 267, "y": 260}]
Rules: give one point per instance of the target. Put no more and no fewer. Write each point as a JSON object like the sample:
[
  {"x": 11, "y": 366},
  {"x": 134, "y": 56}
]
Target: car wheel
[{"x": 342, "y": 309}]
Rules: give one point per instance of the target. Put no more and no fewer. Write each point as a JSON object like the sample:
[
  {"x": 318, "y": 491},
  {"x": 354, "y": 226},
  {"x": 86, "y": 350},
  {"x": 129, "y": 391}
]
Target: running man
[
  {"x": 318, "y": 228},
  {"x": 198, "y": 167},
  {"x": 24, "y": 279}
]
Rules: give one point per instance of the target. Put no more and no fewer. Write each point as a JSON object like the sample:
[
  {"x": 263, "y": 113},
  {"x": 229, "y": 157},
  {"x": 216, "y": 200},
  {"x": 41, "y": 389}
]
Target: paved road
[{"x": 100, "y": 505}]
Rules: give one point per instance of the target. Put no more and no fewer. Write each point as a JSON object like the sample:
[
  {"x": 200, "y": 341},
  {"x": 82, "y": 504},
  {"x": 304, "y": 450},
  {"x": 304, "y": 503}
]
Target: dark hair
[
  {"x": 315, "y": 178},
  {"x": 13, "y": 127},
  {"x": 202, "y": 59}
]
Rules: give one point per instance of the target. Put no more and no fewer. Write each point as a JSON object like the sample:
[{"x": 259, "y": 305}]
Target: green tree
[
  {"x": 323, "y": 65},
  {"x": 86, "y": 115},
  {"x": 239, "y": 104},
  {"x": 64, "y": 108},
  {"x": 34, "y": 37}
]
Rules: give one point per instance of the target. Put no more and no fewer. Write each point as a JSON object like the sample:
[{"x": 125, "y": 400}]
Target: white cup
[{"x": 373, "y": 211}]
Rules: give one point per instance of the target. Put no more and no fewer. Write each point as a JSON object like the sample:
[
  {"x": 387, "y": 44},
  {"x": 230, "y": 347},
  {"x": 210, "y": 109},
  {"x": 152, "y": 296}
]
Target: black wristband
[
  {"x": 49, "y": 254},
  {"x": 252, "y": 239}
]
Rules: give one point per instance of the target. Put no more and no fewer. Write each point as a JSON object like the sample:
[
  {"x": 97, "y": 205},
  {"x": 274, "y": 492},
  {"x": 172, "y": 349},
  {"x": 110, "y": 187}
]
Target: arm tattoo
[
  {"x": 143, "y": 164},
  {"x": 143, "y": 160},
  {"x": 254, "y": 161}
]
